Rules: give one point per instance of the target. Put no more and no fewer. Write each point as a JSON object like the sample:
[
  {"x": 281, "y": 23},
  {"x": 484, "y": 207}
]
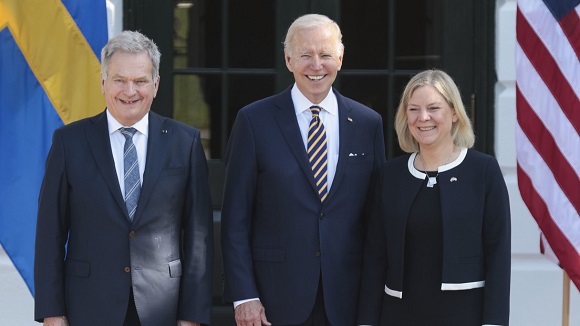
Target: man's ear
[
  {"x": 287, "y": 59},
  {"x": 156, "y": 86}
]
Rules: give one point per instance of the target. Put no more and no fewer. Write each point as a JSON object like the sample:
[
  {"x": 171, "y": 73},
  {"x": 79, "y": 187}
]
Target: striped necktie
[
  {"x": 317, "y": 152},
  {"x": 131, "y": 167}
]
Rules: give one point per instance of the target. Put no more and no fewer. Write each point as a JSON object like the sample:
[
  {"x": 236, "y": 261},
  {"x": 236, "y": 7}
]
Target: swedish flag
[{"x": 49, "y": 76}]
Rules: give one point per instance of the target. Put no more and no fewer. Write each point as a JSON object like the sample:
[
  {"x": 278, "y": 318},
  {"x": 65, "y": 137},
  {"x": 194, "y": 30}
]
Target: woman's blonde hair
[{"x": 461, "y": 131}]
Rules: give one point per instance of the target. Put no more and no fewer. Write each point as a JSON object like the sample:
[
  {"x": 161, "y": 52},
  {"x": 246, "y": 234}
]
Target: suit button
[
  {"x": 321, "y": 216},
  {"x": 317, "y": 253},
  {"x": 127, "y": 269},
  {"x": 132, "y": 234}
]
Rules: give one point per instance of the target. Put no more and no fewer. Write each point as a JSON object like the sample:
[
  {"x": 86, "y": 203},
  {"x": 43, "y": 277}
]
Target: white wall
[{"x": 536, "y": 287}]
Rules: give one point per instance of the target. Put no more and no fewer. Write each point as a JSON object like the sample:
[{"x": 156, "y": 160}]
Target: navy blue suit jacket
[
  {"x": 165, "y": 254},
  {"x": 277, "y": 237}
]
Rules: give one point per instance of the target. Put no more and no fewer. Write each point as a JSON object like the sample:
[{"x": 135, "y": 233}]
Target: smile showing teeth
[
  {"x": 128, "y": 102},
  {"x": 315, "y": 77},
  {"x": 426, "y": 128}
]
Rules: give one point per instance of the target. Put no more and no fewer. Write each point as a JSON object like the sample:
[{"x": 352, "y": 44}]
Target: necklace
[{"x": 433, "y": 180}]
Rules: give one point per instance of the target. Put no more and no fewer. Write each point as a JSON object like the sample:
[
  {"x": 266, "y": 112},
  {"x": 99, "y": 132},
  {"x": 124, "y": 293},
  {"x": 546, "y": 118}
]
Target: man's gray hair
[
  {"x": 311, "y": 21},
  {"x": 130, "y": 42}
]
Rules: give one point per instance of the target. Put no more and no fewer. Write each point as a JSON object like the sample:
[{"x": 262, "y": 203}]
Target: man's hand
[
  {"x": 55, "y": 321},
  {"x": 186, "y": 323},
  {"x": 251, "y": 313}
]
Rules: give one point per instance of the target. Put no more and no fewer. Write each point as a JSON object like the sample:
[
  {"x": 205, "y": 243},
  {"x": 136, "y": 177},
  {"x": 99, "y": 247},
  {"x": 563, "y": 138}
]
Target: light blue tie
[{"x": 131, "y": 167}]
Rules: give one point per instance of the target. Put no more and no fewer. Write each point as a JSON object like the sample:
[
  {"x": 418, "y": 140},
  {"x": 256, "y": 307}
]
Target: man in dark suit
[
  {"x": 299, "y": 168},
  {"x": 124, "y": 232}
]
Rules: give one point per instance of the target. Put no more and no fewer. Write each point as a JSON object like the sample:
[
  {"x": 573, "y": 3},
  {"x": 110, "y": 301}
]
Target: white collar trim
[{"x": 421, "y": 175}]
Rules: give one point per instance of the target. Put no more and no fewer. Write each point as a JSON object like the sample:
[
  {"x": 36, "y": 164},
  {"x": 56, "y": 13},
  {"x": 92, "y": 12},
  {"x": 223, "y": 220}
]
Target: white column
[
  {"x": 16, "y": 302},
  {"x": 114, "y": 17}
]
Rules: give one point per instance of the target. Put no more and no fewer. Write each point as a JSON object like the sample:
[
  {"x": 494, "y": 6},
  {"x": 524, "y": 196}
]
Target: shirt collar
[
  {"x": 142, "y": 125},
  {"x": 301, "y": 103}
]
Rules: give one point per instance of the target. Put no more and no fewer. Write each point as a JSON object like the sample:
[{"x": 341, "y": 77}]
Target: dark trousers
[
  {"x": 131, "y": 319},
  {"x": 318, "y": 315}
]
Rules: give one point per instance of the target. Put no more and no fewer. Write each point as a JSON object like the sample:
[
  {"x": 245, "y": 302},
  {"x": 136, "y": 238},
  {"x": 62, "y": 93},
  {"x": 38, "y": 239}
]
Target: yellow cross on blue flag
[{"x": 49, "y": 76}]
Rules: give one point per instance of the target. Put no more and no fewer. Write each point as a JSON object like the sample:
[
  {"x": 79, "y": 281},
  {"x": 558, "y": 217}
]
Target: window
[{"x": 220, "y": 55}]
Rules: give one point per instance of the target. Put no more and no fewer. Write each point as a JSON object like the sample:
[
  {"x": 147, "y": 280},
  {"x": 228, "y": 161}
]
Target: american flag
[{"x": 548, "y": 124}]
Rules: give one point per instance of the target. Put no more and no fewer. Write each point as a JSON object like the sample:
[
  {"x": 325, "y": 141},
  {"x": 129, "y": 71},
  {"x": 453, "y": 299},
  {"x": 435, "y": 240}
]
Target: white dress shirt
[
  {"x": 118, "y": 145},
  {"x": 329, "y": 118}
]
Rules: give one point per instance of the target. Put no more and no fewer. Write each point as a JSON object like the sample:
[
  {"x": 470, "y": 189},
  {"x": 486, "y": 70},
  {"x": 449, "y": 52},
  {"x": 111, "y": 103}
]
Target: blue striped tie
[
  {"x": 317, "y": 152},
  {"x": 131, "y": 167}
]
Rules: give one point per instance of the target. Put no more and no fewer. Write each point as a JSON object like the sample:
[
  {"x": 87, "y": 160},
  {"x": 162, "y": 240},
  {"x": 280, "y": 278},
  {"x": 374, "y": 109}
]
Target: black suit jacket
[
  {"x": 277, "y": 237},
  {"x": 165, "y": 254},
  {"x": 476, "y": 234}
]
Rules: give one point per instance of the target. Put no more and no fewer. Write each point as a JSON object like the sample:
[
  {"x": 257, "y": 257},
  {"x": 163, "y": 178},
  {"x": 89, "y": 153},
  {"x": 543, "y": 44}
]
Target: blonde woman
[{"x": 438, "y": 241}]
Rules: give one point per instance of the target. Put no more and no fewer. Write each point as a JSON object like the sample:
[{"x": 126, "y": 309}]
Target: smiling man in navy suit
[
  {"x": 299, "y": 168},
  {"x": 124, "y": 232}
]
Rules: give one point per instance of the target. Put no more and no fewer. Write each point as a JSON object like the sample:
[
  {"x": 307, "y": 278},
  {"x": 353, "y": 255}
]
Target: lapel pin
[
  {"x": 349, "y": 119},
  {"x": 453, "y": 179},
  {"x": 164, "y": 131}
]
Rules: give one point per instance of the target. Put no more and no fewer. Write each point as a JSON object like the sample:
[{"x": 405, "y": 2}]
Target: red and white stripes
[{"x": 548, "y": 128}]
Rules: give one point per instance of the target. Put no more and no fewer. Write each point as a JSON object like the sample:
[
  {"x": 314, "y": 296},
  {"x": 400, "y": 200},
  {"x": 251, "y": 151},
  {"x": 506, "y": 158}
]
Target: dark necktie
[
  {"x": 317, "y": 152},
  {"x": 131, "y": 168}
]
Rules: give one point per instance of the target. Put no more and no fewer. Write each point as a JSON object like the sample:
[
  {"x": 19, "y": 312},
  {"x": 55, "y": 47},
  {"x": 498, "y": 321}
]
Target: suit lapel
[
  {"x": 100, "y": 146},
  {"x": 345, "y": 131},
  {"x": 157, "y": 145},
  {"x": 286, "y": 119}
]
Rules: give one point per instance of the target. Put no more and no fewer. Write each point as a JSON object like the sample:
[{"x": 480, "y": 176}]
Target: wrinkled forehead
[
  {"x": 316, "y": 39},
  {"x": 130, "y": 64}
]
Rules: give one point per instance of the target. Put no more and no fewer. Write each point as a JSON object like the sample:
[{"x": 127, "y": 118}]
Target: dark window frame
[{"x": 473, "y": 70}]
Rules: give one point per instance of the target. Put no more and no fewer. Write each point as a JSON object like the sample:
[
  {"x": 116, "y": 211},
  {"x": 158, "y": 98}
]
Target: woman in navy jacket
[{"x": 438, "y": 242}]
